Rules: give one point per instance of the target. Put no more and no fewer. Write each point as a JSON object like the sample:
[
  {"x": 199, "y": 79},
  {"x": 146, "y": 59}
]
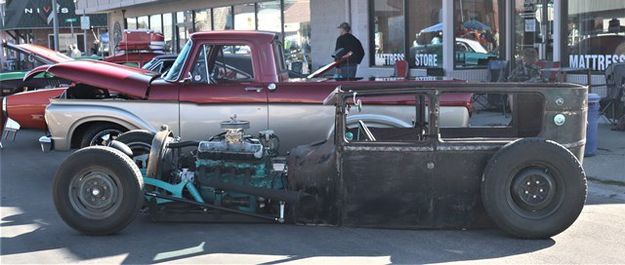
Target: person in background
[
  {"x": 526, "y": 70},
  {"x": 350, "y": 44},
  {"x": 75, "y": 51}
]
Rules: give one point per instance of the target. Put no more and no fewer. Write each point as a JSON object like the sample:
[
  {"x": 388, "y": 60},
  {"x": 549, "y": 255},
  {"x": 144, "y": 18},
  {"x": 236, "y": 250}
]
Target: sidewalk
[{"x": 608, "y": 165}]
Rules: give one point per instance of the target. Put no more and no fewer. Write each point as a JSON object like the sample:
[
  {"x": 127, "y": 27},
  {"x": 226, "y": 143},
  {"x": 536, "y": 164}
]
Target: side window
[
  {"x": 199, "y": 72},
  {"x": 233, "y": 63}
]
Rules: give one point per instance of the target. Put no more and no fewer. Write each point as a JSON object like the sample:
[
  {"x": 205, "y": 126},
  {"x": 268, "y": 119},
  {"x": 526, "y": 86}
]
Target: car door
[
  {"x": 387, "y": 178},
  {"x": 215, "y": 91}
]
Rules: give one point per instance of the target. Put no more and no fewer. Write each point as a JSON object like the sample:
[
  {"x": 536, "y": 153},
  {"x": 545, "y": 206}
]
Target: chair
[
  {"x": 612, "y": 105},
  {"x": 401, "y": 69}
]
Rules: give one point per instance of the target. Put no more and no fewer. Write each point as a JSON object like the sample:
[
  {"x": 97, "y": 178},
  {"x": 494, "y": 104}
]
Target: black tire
[
  {"x": 92, "y": 135},
  {"x": 533, "y": 188},
  {"x": 139, "y": 141},
  {"x": 116, "y": 179}
]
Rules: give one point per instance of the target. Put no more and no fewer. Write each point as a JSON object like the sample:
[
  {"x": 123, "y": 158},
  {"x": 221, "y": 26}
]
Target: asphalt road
[{"x": 32, "y": 232}]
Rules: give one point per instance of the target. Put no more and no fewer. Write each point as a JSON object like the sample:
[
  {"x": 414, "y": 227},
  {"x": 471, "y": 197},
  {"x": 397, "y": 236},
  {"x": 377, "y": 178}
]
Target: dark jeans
[{"x": 346, "y": 71}]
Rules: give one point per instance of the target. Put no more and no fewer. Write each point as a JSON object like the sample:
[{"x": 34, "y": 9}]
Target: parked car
[
  {"x": 526, "y": 178},
  {"x": 194, "y": 95},
  {"x": 26, "y": 57},
  {"x": 468, "y": 52}
]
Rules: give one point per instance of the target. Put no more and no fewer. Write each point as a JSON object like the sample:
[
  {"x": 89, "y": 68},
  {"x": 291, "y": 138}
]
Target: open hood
[
  {"x": 130, "y": 81},
  {"x": 44, "y": 54}
]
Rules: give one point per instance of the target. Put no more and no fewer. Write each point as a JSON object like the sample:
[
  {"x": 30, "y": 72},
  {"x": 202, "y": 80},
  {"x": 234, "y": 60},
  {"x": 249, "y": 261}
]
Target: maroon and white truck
[{"x": 216, "y": 75}]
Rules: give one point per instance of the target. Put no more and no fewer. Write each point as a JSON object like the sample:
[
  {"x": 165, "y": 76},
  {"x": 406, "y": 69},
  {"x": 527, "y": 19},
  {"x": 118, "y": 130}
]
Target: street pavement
[{"x": 32, "y": 232}]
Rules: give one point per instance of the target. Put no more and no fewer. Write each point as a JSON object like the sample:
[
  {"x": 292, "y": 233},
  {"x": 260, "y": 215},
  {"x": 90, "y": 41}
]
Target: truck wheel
[
  {"x": 533, "y": 188},
  {"x": 98, "y": 190},
  {"x": 100, "y": 134},
  {"x": 140, "y": 142}
]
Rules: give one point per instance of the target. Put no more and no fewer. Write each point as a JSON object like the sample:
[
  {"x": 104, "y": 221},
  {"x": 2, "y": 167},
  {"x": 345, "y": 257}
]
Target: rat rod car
[{"x": 525, "y": 175}]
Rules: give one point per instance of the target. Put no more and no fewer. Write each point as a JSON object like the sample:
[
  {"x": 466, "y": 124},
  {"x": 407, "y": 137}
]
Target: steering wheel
[{"x": 363, "y": 127}]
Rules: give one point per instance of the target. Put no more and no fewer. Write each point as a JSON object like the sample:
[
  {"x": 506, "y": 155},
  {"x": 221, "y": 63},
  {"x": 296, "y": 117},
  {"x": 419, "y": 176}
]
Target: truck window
[
  {"x": 200, "y": 72},
  {"x": 233, "y": 63}
]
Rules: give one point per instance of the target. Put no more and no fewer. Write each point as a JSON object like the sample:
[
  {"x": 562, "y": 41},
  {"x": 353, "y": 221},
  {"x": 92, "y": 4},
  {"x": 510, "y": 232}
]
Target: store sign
[
  {"x": 427, "y": 60},
  {"x": 383, "y": 59},
  {"x": 596, "y": 62}
]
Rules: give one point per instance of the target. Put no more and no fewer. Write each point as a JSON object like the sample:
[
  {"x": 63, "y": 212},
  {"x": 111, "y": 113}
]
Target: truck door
[{"x": 219, "y": 85}]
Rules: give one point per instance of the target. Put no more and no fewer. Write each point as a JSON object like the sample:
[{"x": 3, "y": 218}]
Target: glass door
[{"x": 533, "y": 27}]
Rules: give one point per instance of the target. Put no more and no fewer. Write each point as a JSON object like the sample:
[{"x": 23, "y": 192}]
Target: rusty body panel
[{"x": 434, "y": 182}]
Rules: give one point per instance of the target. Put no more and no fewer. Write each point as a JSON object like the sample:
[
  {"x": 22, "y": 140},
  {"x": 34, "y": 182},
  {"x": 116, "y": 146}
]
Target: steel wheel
[{"x": 95, "y": 194}]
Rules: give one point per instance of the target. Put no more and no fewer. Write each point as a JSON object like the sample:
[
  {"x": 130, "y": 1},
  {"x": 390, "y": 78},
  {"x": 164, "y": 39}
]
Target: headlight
[{"x": 4, "y": 107}]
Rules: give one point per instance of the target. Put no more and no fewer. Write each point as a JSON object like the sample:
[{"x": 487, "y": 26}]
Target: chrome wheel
[{"x": 104, "y": 137}]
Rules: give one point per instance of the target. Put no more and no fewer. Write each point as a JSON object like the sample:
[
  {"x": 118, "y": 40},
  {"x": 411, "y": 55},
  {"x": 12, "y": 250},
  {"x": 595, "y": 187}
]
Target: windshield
[{"x": 174, "y": 71}]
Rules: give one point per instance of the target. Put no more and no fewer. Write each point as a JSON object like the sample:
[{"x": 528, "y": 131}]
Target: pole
[
  {"x": 84, "y": 37},
  {"x": 55, "y": 25},
  {"x": 71, "y": 29}
]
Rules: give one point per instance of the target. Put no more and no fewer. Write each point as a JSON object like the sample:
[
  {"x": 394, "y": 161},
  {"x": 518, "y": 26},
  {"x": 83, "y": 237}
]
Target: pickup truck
[{"x": 196, "y": 94}]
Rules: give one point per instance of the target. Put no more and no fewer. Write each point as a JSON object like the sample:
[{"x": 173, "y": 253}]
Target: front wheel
[
  {"x": 533, "y": 188},
  {"x": 98, "y": 190},
  {"x": 100, "y": 134}
]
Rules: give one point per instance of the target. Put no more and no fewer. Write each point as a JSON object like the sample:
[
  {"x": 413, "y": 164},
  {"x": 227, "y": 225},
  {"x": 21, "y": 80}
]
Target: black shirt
[{"x": 350, "y": 43}]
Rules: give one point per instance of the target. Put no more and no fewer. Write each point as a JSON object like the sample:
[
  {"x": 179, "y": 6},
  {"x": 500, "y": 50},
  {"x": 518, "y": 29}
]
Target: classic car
[
  {"x": 27, "y": 57},
  {"x": 107, "y": 99},
  {"x": 468, "y": 52},
  {"x": 526, "y": 176}
]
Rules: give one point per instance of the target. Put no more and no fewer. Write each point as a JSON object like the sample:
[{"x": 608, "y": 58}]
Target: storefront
[
  {"x": 30, "y": 21},
  {"x": 436, "y": 37}
]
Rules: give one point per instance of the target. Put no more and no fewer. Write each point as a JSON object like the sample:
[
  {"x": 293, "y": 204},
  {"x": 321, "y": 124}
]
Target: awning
[{"x": 37, "y": 14}]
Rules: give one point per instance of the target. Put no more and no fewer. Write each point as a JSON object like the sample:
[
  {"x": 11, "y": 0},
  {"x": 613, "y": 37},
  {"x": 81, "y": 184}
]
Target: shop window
[
  {"x": 296, "y": 30},
  {"x": 131, "y": 23},
  {"x": 184, "y": 24},
  {"x": 477, "y": 32},
  {"x": 245, "y": 17},
  {"x": 425, "y": 33},
  {"x": 533, "y": 28},
  {"x": 388, "y": 43},
  {"x": 203, "y": 20},
  {"x": 596, "y": 34},
  {"x": 156, "y": 23},
  {"x": 168, "y": 31},
  {"x": 222, "y": 18},
  {"x": 143, "y": 22},
  {"x": 269, "y": 16}
]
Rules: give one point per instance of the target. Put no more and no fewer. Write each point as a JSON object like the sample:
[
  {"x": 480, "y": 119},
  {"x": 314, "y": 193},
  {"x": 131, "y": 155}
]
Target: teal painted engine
[
  {"x": 230, "y": 173},
  {"x": 235, "y": 159}
]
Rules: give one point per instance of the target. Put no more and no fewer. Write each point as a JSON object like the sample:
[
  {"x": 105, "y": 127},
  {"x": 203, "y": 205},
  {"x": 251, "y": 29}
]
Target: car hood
[
  {"x": 130, "y": 81},
  {"x": 47, "y": 55}
]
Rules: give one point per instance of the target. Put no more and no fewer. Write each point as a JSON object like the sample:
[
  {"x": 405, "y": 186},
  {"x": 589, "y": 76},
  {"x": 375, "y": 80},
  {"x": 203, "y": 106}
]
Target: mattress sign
[{"x": 597, "y": 62}]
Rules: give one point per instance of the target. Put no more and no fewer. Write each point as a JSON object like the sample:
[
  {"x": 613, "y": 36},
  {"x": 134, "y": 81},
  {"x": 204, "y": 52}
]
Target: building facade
[{"x": 454, "y": 38}]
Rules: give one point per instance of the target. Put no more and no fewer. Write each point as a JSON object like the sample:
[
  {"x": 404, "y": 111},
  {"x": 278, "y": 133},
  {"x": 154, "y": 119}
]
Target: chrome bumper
[
  {"x": 46, "y": 143},
  {"x": 10, "y": 130}
]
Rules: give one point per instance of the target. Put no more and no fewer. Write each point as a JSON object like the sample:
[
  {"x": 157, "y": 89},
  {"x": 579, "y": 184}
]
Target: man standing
[{"x": 351, "y": 54}]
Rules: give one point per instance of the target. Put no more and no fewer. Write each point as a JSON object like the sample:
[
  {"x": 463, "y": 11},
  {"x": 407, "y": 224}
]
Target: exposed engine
[{"x": 231, "y": 169}]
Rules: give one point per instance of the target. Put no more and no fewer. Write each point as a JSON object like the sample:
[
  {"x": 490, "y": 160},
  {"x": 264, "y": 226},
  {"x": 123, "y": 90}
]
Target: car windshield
[
  {"x": 174, "y": 71},
  {"x": 149, "y": 64}
]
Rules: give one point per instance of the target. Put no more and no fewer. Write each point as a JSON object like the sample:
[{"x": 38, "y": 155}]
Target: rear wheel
[
  {"x": 98, "y": 190},
  {"x": 533, "y": 188}
]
